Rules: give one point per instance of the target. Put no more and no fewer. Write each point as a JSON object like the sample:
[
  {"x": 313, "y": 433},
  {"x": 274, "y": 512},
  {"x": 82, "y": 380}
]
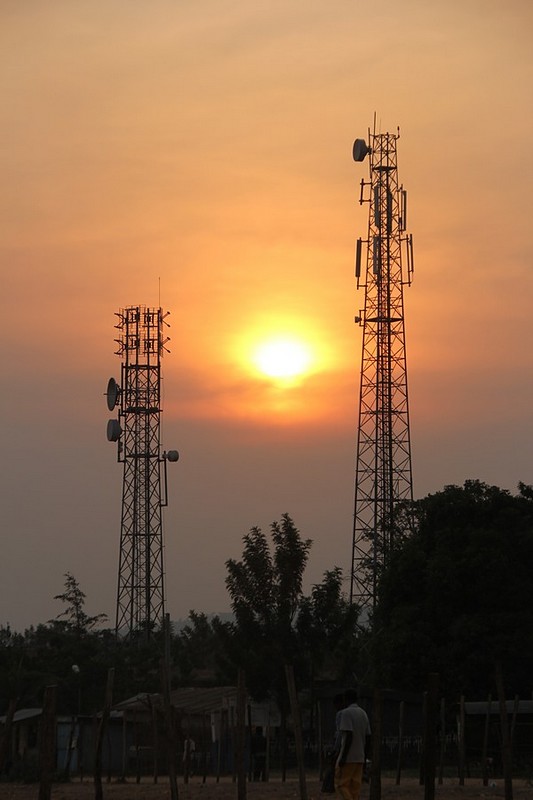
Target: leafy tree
[
  {"x": 265, "y": 589},
  {"x": 67, "y": 652},
  {"x": 74, "y": 599},
  {"x": 455, "y": 597},
  {"x": 328, "y": 632},
  {"x": 11, "y": 666},
  {"x": 199, "y": 651}
]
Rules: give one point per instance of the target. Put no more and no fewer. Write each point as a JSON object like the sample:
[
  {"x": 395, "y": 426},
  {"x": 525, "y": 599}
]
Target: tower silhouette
[
  {"x": 383, "y": 474},
  {"x": 140, "y": 597}
]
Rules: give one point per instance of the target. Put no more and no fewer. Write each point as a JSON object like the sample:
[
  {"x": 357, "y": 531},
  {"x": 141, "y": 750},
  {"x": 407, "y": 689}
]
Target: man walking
[{"x": 354, "y": 729}]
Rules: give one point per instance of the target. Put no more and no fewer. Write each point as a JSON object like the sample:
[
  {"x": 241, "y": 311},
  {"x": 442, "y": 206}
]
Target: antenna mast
[
  {"x": 140, "y": 598},
  {"x": 383, "y": 475}
]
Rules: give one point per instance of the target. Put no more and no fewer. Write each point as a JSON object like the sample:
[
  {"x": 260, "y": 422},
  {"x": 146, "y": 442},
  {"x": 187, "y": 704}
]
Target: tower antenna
[
  {"x": 383, "y": 474},
  {"x": 141, "y": 344}
]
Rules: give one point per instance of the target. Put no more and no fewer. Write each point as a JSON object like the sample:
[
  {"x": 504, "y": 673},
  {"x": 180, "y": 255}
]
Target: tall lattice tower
[
  {"x": 383, "y": 477},
  {"x": 141, "y": 344}
]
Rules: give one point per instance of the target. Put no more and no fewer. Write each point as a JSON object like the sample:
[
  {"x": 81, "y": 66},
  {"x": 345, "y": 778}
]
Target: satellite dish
[
  {"x": 112, "y": 393},
  {"x": 113, "y": 430},
  {"x": 360, "y": 150},
  {"x": 173, "y": 455}
]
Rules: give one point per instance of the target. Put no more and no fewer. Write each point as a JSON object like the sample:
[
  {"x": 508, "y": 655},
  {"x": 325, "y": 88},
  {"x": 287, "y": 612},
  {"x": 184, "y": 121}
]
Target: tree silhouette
[
  {"x": 74, "y": 599},
  {"x": 265, "y": 588},
  {"x": 455, "y": 598}
]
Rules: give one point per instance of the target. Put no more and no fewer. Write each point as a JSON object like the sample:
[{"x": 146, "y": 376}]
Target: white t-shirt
[{"x": 354, "y": 719}]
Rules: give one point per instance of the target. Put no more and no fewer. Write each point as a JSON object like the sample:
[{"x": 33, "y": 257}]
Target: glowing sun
[{"x": 283, "y": 358}]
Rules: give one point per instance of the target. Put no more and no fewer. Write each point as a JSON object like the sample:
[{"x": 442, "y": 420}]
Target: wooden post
[
  {"x": 47, "y": 743},
  {"x": 421, "y": 775},
  {"x": 155, "y": 742},
  {"x": 187, "y": 751},
  {"x": 124, "y": 746},
  {"x": 137, "y": 747},
  {"x": 442, "y": 739},
  {"x": 516, "y": 704},
  {"x": 400, "y": 743},
  {"x": 297, "y": 723},
  {"x": 232, "y": 724},
  {"x": 283, "y": 744},
  {"x": 375, "y": 770},
  {"x": 98, "y": 791},
  {"x": 462, "y": 741},
  {"x": 251, "y": 759},
  {"x": 430, "y": 750},
  {"x": 167, "y": 710},
  {"x": 5, "y": 739},
  {"x": 219, "y": 747},
  {"x": 240, "y": 734},
  {"x": 320, "y": 742},
  {"x": 506, "y": 739},
  {"x": 484, "y": 756},
  {"x": 267, "y": 757},
  {"x": 206, "y": 746}
]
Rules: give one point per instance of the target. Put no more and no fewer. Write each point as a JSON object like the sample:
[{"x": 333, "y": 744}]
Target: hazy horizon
[{"x": 198, "y": 157}]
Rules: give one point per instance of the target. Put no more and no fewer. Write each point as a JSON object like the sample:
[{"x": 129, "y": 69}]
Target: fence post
[
  {"x": 400, "y": 743},
  {"x": 462, "y": 741},
  {"x": 47, "y": 742},
  {"x": 484, "y": 757},
  {"x": 98, "y": 791},
  {"x": 506, "y": 739},
  {"x": 297, "y": 723},
  {"x": 168, "y": 712},
  {"x": 240, "y": 733},
  {"x": 442, "y": 737},
  {"x": 5, "y": 738},
  {"x": 430, "y": 731},
  {"x": 421, "y": 776},
  {"x": 375, "y": 770}
]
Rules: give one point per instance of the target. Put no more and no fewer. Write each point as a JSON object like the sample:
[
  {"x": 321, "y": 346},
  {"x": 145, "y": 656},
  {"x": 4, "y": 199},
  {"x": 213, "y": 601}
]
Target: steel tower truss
[
  {"x": 140, "y": 598},
  {"x": 383, "y": 477}
]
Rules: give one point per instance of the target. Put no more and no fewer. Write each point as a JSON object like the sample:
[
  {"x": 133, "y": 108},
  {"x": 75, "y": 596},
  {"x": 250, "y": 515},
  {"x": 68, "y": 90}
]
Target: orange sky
[{"x": 198, "y": 155}]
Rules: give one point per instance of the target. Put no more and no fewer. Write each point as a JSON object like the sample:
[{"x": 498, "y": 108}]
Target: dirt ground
[{"x": 409, "y": 789}]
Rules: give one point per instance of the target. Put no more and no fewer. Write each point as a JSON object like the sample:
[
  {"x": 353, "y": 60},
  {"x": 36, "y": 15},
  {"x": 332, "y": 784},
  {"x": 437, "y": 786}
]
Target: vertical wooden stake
[
  {"x": 506, "y": 739},
  {"x": 442, "y": 739},
  {"x": 240, "y": 735},
  {"x": 375, "y": 770},
  {"x": 422, "y": 769},
  {"x": 484, "y": 760},
  {"x": 430, "y": 735},
  {"x": 462, "y": 741},
  {"x": 47, "y": 743},
  {"x": 400, "y": 743},
  {"x": 297, "y": 722},
  {"x": 167, "y": 710},
  {"x": 5, "y": 738},
  {"x": 102, "y": 725}
]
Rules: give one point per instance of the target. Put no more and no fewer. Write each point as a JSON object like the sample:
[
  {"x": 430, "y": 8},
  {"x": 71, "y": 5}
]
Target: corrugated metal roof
[
  {"x": 524, "y": 707},
  {"x": 190, "y": 700},
  {"x": 203, "y": 700},
  {"x": 24, "y": 713},
  {"x": 138, "y": 702}
]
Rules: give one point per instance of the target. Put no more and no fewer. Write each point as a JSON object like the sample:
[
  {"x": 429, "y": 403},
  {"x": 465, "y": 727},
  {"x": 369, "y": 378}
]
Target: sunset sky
[{"x": 197, "y": 155}]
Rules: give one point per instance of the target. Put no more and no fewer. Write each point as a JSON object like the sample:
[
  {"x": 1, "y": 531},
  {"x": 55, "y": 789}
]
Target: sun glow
[
  {"x": 283, "y": 358},
  {"x": 280, "y": 369}
]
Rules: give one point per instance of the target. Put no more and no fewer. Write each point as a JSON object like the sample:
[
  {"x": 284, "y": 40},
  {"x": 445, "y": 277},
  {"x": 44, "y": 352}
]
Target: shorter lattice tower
[
  {"x": 141, "y": 344},
  {"x": 383, "y": 475}
]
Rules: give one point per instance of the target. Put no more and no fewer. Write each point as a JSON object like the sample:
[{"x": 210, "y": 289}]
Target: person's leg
[
  {"x": 341, "y": 783},
  {"x": 356, "y": 780},
  {"x": 345, "y": 781}
]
